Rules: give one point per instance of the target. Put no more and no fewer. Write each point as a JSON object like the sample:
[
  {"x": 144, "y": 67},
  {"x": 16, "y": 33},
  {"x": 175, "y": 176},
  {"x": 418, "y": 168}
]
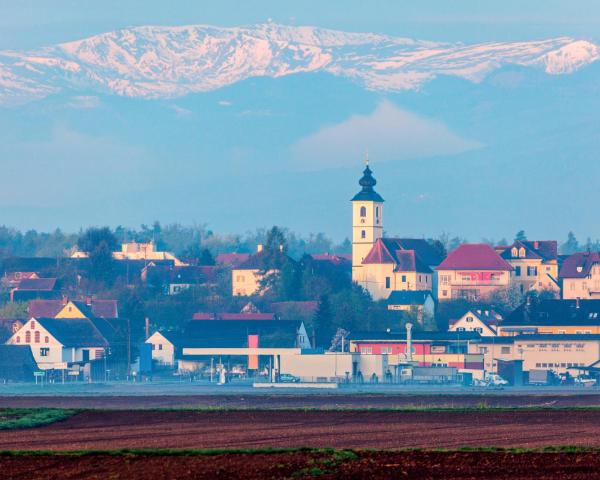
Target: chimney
[
  {"x": 409, "y": 342},
  {"x": 65, "y": 300},
  {"x": 259, "y": 248},
  {"x": 536, "y": 244},
  {"x": 88, "y": 301}
]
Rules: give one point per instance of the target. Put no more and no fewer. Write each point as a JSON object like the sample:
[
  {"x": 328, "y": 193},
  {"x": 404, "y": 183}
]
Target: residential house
[
  {"x": 418, "y": 301},
  {"x": 55, "y": 343},
  {"x": 12, "y": 279},
  {"x": 30, "y": 288},
  {"x": 65, "y": 308},
  {"x": 535, "y": 264},
  {"x": 473, "y": 272},
  {"x": 231, "y": 260},
  {"x": 580, "y": 276},
  {"x": 166, "y": 347},
  {"x": 138, "y": 251},
  {"x": 248, "y": 278},
  {"x": 553, "y": 317},
  {"x": 484, "y": 322},
  {"x": 176, "y": 279}
]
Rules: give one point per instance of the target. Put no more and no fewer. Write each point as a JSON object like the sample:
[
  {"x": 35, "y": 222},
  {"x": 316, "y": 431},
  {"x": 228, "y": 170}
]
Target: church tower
[{"x": 367, "y": 221}]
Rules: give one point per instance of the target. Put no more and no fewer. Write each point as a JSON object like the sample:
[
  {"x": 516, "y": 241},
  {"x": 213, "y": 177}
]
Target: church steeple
[
  {"x": 367, "y": 221},
  {"x": 367, "y": 182}
]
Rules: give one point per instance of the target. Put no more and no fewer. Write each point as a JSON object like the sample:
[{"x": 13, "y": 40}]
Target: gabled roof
[
  {"x": 406, "y": 254},
  {"x": 555, "y": 312},
  {"x": 260, "y": 260},
  {"x": 74, "y": 332},
  {"x": 51, "y": 308},
  {"x": 341, "y": 259},
  {"x": 408, "y": 297},
  {"x": 234, "y": 333},
  {"x": 579, "y": 264},
  {"x": 474, "y": 256},
  {"x": 546, "y": 250},
  {"x": 490, "y": 318},
  {"x": 37, "y": 284}
]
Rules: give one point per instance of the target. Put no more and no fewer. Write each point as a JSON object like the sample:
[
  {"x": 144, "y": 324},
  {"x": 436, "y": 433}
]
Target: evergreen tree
[
  {"x": 571, "y": 245},
  {"x": 520, "y": 236},
  {"x": 323, "y": 322}
]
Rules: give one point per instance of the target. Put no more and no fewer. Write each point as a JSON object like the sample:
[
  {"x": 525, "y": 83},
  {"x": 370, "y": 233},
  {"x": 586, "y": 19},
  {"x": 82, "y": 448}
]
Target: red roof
[
  {"x": 474, "y": 256},
  {"x": 231, "y": 259},
  {"x": 391, "y": 250},
  {"x": 579, "y": 264},
  {"x": 333, "y": 258}
]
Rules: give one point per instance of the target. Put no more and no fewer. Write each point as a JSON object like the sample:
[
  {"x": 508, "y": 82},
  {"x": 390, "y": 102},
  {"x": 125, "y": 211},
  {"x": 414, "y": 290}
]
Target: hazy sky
[
  {"x": 472, "y": 159},
  {"x": 29, "y": 23}
]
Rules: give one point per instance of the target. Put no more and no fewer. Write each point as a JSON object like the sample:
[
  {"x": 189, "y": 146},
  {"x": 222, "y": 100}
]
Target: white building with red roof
[{"x": 472, "y": 271}]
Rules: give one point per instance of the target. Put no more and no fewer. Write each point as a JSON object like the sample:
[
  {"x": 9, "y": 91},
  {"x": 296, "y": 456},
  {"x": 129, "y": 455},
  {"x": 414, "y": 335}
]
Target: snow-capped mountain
[{"x": 166, "y": 62}]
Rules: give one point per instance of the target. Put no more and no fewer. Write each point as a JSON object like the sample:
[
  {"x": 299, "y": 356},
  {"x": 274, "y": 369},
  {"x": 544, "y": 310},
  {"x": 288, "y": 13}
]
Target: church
[{"x": 380, "y": 264}]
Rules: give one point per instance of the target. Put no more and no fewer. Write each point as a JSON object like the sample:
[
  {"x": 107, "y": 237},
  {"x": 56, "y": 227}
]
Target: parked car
[
  {"x": 585, "y": 381},
  {"x": 288, "y": 378}
]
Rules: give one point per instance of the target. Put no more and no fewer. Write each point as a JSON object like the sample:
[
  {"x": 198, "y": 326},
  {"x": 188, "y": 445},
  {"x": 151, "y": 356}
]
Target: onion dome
[{"x": 367, "y": 182}]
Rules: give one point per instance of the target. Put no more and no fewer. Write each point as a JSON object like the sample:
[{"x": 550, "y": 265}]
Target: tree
[
  {"x": 438, "y": 246},
  {"x": 571, "y": 245},
  {"x": 520, "y": 236},
  {"x": 99, "y": 244},
  {"x": 323, "y": 322}
]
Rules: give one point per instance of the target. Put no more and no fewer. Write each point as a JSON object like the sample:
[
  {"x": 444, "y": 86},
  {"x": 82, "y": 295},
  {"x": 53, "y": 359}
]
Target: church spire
[{"x": 367, "y": 182}]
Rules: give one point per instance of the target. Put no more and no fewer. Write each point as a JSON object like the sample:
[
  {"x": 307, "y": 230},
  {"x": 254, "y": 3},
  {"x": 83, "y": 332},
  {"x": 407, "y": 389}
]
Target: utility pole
[{"x": 128, "y": 348}]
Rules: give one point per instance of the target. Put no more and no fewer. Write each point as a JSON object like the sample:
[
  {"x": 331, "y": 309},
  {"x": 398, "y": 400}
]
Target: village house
[
  {"x": 30, "y": 288},
  {"x": 484, "y": 322},
  {"x": 57, "y": 343},
  {"x": 176, "y": 279},
  {"x": 418, "y": 301},
  {"x": 472, "y": 272},
  {"x": 166, "y": 347},
  {"x": 382, "y": 265},
  {"x": 247, "y": 278},
  {"x": 580, "y": 275},
  {"x": 12, "y": 279},
  {"x": 65, "y": 308},
  {"x": 535, "y": 264},
  {"x": 138, "y": 251}
]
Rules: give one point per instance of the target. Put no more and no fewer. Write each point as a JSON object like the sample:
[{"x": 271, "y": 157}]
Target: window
[
  {"x": 483, "y": 349},
  {"x": 363, "y": 211},
  {"x": 444, "y": 293},
  {"x": 33, "y": 325},
  {"x": 153, "y": 347},
  {"x": 44, "y": 351},
  {"x": 460, "y": 329},
  {"x": 445, "y": 279},
  {"x": 160, "y": 346},
  {"x": 46, "y": 340},
  {"x": 37, "y": 336},
  {"x": 387, "y": 282},
  {"x": 517, "y": 271},
  {"x": 478, "y": 329},
  {"x": 18, "y": 339},
  {"x": 403, "y": 278},
  {"x": 514, "y": 252},
  {"x": 505, "y": 350},
  {"x": 522, "y": 252},
  {"x": 376, "y": 214},
  {"x": 532, "y": 271},
  {"x": 28, "y": 337},
  {"x": 363, "y": 234},
  {"x": 469, "y": 319}
]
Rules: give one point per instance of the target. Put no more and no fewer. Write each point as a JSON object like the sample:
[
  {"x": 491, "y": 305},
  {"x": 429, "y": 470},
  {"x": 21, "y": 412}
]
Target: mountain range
[
  {"x": 245, "y": 127},
  {"x": 165, "y": 62}
]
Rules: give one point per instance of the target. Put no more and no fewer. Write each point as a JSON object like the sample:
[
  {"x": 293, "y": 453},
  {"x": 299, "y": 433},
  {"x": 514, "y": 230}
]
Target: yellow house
[
  {"x": 580, "y": 274},
  {"x": 535, "y": 264},
  {"x": 247, "y": 278}
]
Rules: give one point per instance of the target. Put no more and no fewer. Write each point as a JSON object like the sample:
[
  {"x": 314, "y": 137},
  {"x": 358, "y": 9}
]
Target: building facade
[{"x": 580, "y": 275}]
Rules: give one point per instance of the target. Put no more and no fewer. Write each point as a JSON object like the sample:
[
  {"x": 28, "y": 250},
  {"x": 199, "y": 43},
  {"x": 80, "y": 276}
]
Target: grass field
[{"x": 13, "y": 418}]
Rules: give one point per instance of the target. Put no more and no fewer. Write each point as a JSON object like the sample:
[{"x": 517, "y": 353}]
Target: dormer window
[
  {"x": 514, "y": 252},
  {"x": 522, "y": 252},
  {"x": 363, "y": 211}
]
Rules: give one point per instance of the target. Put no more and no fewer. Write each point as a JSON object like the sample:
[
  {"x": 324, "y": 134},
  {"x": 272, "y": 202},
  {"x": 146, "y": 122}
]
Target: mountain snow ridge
[{"x": 163, "y": 62}]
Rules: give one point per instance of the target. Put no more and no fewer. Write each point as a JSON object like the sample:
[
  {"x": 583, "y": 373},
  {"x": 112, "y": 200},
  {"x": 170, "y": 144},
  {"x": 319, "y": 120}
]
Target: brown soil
[
  {"x": 92, "y": 430},
  {"x": 366, "y": 465},
  {"x": 320, "y": 401}
]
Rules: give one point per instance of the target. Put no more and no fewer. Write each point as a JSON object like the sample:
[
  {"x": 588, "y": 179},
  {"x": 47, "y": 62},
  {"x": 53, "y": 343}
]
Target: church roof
[
  {"x": 407, "y": 254},
  {"x": 367, "y": 182}
]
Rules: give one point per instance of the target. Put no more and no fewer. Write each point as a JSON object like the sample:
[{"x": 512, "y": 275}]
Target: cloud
[
  {"x": 388, "y": 134},
  {"x": 84, "y": 101},
  {"x": 181, "y": 111},
  {"x": 225, "y": 103}
]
